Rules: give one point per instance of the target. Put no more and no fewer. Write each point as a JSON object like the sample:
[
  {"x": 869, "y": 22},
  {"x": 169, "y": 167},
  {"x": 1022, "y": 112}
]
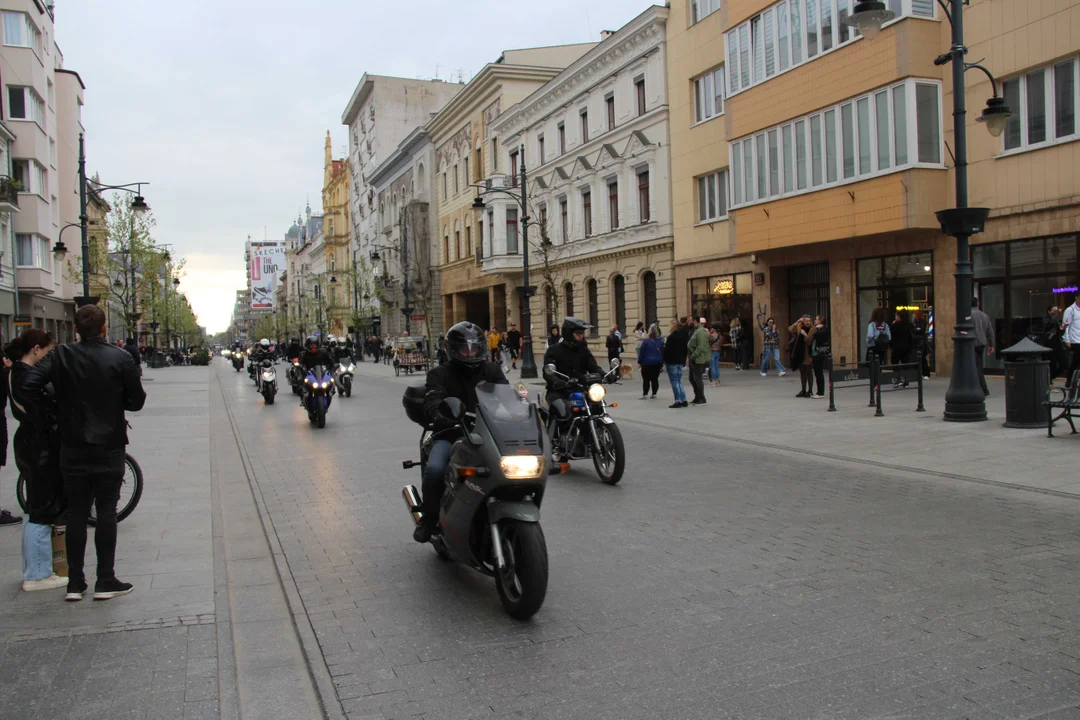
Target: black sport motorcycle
[
  {"x": 490, "y": 513},
  {"x": 238, "y": 360}
]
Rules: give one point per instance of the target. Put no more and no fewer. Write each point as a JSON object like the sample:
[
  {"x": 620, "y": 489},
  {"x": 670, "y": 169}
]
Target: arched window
[
  {"x": 594, "y": 306},
  {"x": 618, "y": 284},
  {"x": 648, "y": 292},
  {"x": 568, "y": 291},
  {"x": 420, "y": 172}
]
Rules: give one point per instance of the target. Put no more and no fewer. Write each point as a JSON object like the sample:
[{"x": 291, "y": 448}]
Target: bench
[{"x": 1069, "y": 401}]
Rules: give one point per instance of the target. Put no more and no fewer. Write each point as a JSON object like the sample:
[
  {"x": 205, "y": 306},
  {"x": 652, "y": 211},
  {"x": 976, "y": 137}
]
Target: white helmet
[{"x": 265, "y": 343}]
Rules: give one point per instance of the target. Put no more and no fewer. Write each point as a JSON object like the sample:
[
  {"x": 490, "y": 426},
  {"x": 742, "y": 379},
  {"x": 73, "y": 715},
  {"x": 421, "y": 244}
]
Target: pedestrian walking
[
  {"x": 614, "y": 344},
  {"x": 735, "y": 337},
  {"x": 801, "y": 333},
  {"x": 1052, "y": 339},
  {"x": 94, "y": 386},
  {"x": 513, "y": 344},
  {"x": 878, "y": 336},
  {"x": 903, "y": 342},
  {"x": 716, "y": 344},
  {"x": 37, "y": 456},
  {"x": 650, "y": 355},
  {"x": 771, "y": 345},
  {"x": 133, "y": 350},
  {"x": 921, "y": 329},
  {"x": 675, "y": 359},
  {"x": 1070, "y": 322},
  {"x": 698, "y": 356},
  {"x": 820, "y": 350},
  {"x": 984, "y": 340}
]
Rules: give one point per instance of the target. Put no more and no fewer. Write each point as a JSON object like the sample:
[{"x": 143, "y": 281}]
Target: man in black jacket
[
  {"x": 94, "y": 383},
  {"x": 571, "y": 357},
  {"x": 675, "y": 360},
  {"x": 467, "y": 350},
  {"x": 513, "y": 344}
]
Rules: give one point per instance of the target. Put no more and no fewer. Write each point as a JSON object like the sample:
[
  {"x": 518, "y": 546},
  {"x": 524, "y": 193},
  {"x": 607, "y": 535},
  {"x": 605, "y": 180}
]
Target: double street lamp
[
  {"x": 965, "y": 400},
  {"x": 528, "y": 362}
]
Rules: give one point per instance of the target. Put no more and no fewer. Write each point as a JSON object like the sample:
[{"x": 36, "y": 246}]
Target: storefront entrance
[
  {"x": 898, "y": 283},
  {"x": 720, "y": 298},
  {"x": 808, "y": 292},
  {"x": 1017, "y": 281}
]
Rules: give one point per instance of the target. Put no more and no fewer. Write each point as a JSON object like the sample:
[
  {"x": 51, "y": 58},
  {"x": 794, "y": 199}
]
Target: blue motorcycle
[{"x": 320, "y": 389}]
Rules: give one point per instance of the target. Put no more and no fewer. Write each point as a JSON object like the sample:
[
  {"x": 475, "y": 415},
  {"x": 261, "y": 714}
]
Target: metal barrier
[
  {"x": 870, "y": 374},
  {"x": 880, "y": 371}
]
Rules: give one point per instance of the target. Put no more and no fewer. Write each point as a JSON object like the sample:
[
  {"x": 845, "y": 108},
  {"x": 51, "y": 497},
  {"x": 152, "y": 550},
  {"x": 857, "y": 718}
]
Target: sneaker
[
  {"x": 675, "y": 406},
  {"x": 75, "y": 590},
  {"x": 6, "y": 518},
  {"x": 764, "y": 374},
  {"x": 685, "y": 404},
  {"x": 50, "y": 583},
  {"x": 108, "y": 589},
  {"x": 643, "y": 397},
  {"x": 699, "y": 401},
  {"x": 925, "y": 377},
  {"x": 818, "y": 397},
  {"x": 652, "y": 397},
  {"x": 783, "y": 373}
]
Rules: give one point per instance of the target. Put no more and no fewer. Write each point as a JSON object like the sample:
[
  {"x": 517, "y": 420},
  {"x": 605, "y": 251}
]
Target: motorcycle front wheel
[
  {"x": 610, "y": 458},
  {"x": 522, "y": 584},
  {"x": 348, "y": 388},
  {"x": 268, "y": 395},
  {"x": 320, "y": 412}
]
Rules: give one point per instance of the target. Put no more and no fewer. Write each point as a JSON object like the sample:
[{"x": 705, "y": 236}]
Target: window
[
  {"x": 709, "y": 95},
  {"x": 639, "y": 95},
  {"x": 609, "y": 104},
  {"x": 479, "y": 166},
  {"x": 613, "y": 204},
  {"x": 494, "y": 155},
  {"x": 511, "y": 231},
  {"x": 468, "y": 241},
  {"x": 1043, "y": 104},
  {"x": 31, "y": 176},
  {"x": 586, "y": 211},
  {"x": 465, "y": 171},
  {"x": 540, "y": 149},
  {"x": 770, "y": 42},
  {"x": 514, "y": 169},
  {"x": 562, "y": 139},
  {"x": 593, "y": 292},
  {"x": 826, "y": 25},
  {"x": 584, "y": 126},
  {"x": 782, "y": 32},
  {"x": 457, "y": 245},
  {"x": 712, "y": 196},
  {"x": 25, "y": 104},
  {"x": 543, "y": 222},
  {"x": 702, "y": 8},
  {"x": 648, "y": 288},
  {"x": 24, "y": 243},
  {"x": 643, "y": 195},
  {"x": 619, "y": 285},
  {"x": 446, "y": 247},
  {"x": 444, "y": 187},
  {"x": 20, "y": 31},
  {"x": 564, "y": 224},
  {"x": 457, "y": 186},
  {"x": 860, "y": 138},
  {"x": 568, "y": 293}
]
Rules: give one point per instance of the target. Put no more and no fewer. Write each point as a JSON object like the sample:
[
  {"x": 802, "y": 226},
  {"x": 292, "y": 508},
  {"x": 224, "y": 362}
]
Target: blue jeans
[
  {"x": 674, "y": 373},
  {"x": 36, "y": 550},
  {"x": 435, "y": 481},
  {"x": 775, "y": 353},
  {"x": 714, "y": 367}
]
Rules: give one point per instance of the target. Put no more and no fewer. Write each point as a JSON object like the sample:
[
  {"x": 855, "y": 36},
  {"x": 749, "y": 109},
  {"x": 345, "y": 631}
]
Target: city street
[{"x": 720, "y": 579}]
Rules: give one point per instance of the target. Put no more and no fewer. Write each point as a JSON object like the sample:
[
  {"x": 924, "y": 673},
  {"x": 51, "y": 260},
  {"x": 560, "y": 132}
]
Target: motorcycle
[
  {"x": 237, "y": 361},
  {"x": 320, "y": 389},
  {"x": 580, "y": 427},
  {"x": 490, "y": 514},
  {"x": 296, "y": 377},
  {"x": 343, "y": 378},
  {"x": 268, "y": 381}
]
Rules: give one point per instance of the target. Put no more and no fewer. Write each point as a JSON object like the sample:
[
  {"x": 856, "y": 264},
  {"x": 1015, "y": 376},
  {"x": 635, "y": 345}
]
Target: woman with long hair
[
  {"x": 37, "y": 455},
  {"x": 651, "y": 362}
]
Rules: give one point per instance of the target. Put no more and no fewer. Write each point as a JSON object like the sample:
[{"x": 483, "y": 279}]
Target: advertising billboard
[{"x": 267, "y": 264}]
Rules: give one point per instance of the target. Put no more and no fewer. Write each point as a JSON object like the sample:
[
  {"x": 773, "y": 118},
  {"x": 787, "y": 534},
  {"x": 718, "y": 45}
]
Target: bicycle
[{"x": 131, "y": 488}]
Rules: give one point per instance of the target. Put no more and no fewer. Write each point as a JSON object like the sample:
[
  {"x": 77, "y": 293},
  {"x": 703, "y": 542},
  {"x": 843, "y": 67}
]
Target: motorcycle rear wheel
[
  {"x": 610, "y": 462},
  {"x": 522, "y": 584}
]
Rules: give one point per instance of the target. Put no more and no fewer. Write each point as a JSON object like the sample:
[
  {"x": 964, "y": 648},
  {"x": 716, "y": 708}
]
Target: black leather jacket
[
  {"x": 449, "y": 380},
  {"x": 37, "y": 450},
  {"x": 575, "y": 362},
  {"x": 310, "y": 359},
  {"x": 95, "y": 382}
]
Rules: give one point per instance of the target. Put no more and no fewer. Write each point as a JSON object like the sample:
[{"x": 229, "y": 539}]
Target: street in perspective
[{"x": 702, "y": 359}]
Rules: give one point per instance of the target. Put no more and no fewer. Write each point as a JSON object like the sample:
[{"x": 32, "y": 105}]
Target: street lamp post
[{"x": 965, "y": 400}]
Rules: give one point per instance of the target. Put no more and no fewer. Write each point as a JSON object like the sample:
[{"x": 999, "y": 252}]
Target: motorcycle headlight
[
  {"x": 268, "y": 376},
  {"x": 522, "y": 467},
  {"x": 597, "y": 392},
  {"x": 325, "y": 385},
  {"x": 352, "y": 368}
]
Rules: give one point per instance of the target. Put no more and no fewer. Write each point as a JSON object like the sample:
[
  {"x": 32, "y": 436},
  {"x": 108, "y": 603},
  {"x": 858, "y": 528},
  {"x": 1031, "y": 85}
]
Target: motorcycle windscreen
[{"x": 510, "y": 418}]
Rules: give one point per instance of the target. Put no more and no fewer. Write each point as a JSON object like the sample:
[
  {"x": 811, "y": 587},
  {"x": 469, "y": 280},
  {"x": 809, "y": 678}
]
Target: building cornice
[
  {"x": 634, "y": 40},
  {"x": 359, "y": 95},
  {"x": 400, "y": 157},
  {"x": 473, "y": 97},
  {"x": 72, "y": 72}
]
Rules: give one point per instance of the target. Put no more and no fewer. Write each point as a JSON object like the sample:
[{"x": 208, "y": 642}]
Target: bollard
[
  {"x": 832, "y": 394},
  {"x": 918, "y": 368},
  {"x": 878, "y": 412},
  {"x": 873, "y": 376}
]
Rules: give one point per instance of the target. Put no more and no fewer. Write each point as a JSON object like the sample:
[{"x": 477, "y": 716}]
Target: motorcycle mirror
[
  {"x": 452, "y": 408},
  {"x": 615, "y": 363},
  {"x": 549, "y": 368}
]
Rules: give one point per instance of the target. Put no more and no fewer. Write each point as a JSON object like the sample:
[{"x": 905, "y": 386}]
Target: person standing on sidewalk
[
  {"x": 771, "y": 343},
  {"x": 1070, "y": 322},
  {"x": 819, "y": 351},
  {"x": 651, "y": 360},
  {"x": 513, "y": 344},
  {"x": 1052, "y": 339},
  {"x": 920, "y": 328},
  {"x": 984, "y": 340},
  {"x": 614, "y": 344},
  {"x": 553, "y": 335},
  {"x": 675, "y": 359},
  {"x": 698, "y": 355},
  {"x": 801, "y": 333},
  {"x": 94, "y": 385},
  {"x": 133, "y": 350},
  {"x": 903, "y": 343},
  {"x": 878, "y": 336},
  {"x": 735, "y": 336}
]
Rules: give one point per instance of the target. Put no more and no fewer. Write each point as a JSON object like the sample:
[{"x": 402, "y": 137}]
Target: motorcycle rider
[
  {"x": 314, "y": 355},
  {"x": 339, "y": 352},
  {"x": 468, "y": 366},
  {"x": 294, "y": 350},
  {"x": 259, "y": 352},
  {"x": 571, "y": 357}
]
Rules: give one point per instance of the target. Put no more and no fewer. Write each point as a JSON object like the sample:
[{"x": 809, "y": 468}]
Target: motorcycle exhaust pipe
[{"x": 412, "y": 501}]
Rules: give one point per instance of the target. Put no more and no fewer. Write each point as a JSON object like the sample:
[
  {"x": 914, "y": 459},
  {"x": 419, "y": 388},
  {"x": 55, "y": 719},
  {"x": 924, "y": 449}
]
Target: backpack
[{"x": 881, "y": 342}]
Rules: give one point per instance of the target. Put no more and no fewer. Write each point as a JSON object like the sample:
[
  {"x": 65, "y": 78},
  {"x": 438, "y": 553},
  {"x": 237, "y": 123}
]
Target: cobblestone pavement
[{"x": 718, "y": 580}]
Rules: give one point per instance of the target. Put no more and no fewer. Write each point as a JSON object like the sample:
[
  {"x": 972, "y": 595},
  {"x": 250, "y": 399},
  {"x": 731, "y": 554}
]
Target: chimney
[{"x": 605, "y": 34}]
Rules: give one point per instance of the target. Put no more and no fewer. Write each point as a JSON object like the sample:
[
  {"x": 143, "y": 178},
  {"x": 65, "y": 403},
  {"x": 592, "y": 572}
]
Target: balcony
[
  {"x": 9, "y": 194},
  {"x": 34, "y": 280}
]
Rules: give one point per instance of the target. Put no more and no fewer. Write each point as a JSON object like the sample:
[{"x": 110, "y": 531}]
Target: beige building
[
  {"x": 831, "y": 154},
  {"x": 338, "y": 261},
  {"x": 595, "y": 140},
  {"x": 466, "y": 152}
]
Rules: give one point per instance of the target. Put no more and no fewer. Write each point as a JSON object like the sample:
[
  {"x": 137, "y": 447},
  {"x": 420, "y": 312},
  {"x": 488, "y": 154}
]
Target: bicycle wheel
[
  {"x": 20, "y": 492},
  {"x": 131, "y": 488}
]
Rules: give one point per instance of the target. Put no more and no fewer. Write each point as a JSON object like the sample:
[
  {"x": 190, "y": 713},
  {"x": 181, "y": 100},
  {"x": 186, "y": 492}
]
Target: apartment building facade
[
  {"x": 335, "y": 199},
  {"x": 834, "y": 154},
  {"x": 595, "y": 143}
]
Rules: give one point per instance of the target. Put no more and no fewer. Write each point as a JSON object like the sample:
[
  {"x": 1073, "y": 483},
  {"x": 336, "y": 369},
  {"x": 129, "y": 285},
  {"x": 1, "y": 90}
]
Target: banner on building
[{"x": 267, "y": 264}]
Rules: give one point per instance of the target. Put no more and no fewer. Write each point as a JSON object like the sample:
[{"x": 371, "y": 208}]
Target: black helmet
[
  {"x": 569, "y": 327},
  {"x": 465, "y": 344},
  {"x": 312, "y": 340}
]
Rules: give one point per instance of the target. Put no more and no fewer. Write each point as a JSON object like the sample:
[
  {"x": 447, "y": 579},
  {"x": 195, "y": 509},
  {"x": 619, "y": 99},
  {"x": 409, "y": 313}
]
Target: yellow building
[
  {"x": 831, "y": 154},
  {"x": 335, "y": 201},
  {"x": 466, "y": 153}
]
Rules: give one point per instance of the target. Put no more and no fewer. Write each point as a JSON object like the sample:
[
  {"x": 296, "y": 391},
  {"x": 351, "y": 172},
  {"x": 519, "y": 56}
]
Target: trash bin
[{"x": 1027, "y": 378}]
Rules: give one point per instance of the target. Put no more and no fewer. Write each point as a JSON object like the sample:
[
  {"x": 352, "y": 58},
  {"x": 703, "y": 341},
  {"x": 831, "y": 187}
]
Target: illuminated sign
[
  {"x": 910, "y": 308},
  {"x": 1068, "y": 289},
  {"x": 724, "y": 287}
]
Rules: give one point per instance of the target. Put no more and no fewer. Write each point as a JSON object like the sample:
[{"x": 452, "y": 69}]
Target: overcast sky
[{"x": 224, "y": 106}]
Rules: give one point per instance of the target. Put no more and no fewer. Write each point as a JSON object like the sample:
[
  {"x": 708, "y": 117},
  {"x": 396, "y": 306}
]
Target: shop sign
[
  {"x": 1067, "y": 289},
  {"x": 759, "y": 278},
  {"x": 909, "y": 308},
  {"x": 724, "y": 287},
  {"x": 21, "y": 321}
]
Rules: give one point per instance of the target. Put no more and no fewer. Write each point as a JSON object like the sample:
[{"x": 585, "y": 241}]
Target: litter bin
[{"x": 1027, "y": 379}]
